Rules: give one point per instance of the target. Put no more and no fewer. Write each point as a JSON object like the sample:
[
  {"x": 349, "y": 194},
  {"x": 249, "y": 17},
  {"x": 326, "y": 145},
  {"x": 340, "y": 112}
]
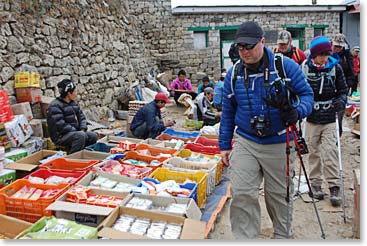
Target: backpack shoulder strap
[
  {"x": 295, "y": 52},
  {"x": 279, "y": 66},
  {"x": 304, "y": 68},
  {"x": 234, "y": 77}
]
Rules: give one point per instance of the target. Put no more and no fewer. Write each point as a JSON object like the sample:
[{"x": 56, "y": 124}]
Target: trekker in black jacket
[
  {"x": 326, "y": 78},
  {"x": 66, "y": 122},
  {"x": 341, "y": 51}
]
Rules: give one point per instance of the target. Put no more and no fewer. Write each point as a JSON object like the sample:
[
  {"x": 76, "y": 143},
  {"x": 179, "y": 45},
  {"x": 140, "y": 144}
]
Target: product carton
[
  {"x": 88, "y": 155},
  {"x": 36, "y": 125},
  {"x": 33, "y": 144},
  {"x": 90, "y": 215},
  {"x": 28, "y": 94},
  {"x": 23, "y": 108},
  {"x": 16, "y": 154},
  {"x": 192, "y": 210},
  {"x": 191, "y": 229},
  {"x": 26, "y": 79},
  {"x": 11, "y": 227},
  {"x": 18, "y": 130},
  {"x": 6, "y": 177}
]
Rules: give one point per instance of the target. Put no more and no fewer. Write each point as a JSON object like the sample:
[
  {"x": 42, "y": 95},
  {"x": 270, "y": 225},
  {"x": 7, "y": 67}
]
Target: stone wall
[{"x": 95, "y": 43}]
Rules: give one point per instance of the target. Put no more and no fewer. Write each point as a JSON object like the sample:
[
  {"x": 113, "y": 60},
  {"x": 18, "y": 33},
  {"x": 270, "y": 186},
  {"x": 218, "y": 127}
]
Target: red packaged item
[
  {"x": 127, "y": 145},
  {"x": 49, "y": 193},
  {"x": 105, "y": 201},
  {"x": 92, "y": 199},
  {"x": 77, "y": 194}
]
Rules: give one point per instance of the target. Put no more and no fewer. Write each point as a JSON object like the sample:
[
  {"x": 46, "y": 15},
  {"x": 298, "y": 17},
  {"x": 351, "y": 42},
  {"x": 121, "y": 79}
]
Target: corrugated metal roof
[{"x": 258, "y": 8}]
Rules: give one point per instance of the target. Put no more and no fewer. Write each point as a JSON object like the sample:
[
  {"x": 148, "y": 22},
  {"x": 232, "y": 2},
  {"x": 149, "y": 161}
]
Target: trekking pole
[
  {"x": 298, "y": 150},
  {"x": 287, "y": 151},
  {"x": 340, "y": 163}
]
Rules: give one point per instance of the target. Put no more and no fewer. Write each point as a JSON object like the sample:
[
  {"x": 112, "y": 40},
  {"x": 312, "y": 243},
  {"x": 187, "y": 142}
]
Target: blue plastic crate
[
  {"x": 174, "y": 133},
  {"x": 101, "y": 147},
  {"x": 189, "y": 185}
]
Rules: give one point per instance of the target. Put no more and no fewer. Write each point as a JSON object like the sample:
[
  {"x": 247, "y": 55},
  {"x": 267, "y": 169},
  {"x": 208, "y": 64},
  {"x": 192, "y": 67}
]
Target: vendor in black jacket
[{"x": 67, "y": 124}]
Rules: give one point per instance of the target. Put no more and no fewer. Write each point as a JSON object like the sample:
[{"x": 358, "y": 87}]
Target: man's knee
[{"x": 92, "y": 136}]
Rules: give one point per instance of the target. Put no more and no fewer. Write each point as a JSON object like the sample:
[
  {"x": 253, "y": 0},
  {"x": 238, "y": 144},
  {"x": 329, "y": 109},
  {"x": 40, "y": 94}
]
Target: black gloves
[
  {"x": 289, "y": 115},
  {"x": 338, "y": 105}
]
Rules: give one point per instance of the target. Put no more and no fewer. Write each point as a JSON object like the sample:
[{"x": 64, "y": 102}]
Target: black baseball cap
[{"x": 249, "y": 33}]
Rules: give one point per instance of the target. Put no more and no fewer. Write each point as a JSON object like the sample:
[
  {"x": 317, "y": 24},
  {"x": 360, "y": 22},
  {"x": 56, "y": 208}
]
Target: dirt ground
[{"x": 305, "y": 224}]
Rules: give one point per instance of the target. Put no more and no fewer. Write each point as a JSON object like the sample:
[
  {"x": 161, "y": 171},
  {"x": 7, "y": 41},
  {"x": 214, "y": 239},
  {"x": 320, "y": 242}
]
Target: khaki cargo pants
[
  {"x": 250, "y": 163},
  {"x": 323, "y": 153}
]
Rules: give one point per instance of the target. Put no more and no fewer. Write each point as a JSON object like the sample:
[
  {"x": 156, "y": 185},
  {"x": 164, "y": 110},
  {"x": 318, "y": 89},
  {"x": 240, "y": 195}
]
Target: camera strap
[{"x": 266, "y": 84}]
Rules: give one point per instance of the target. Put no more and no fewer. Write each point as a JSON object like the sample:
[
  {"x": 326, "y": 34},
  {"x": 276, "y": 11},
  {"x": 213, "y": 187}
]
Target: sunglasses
[
  {"x": 338, "y": 46},
  {"x": 246, "y": 46},
  {"x": 161, "y": 101}
]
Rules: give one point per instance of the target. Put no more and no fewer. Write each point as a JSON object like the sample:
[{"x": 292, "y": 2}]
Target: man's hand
[
  {"x": 169, "y": 123},
  {"x": 225, "y": 157},
  {"x": 338, "y": 105},
  {"x": 218, "y": 114},
  {"x": 289, "y": 115}
]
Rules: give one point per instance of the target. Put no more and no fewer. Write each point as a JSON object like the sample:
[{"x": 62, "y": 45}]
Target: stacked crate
[{"x": 134, "y": 106}]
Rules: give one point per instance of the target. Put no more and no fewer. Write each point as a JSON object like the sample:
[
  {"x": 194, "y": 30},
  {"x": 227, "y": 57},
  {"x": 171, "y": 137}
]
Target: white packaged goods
[{"x": 18, "y": 130}]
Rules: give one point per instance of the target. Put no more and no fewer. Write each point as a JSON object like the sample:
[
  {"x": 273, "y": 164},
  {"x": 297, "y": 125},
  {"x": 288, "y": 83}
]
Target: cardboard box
[
  {"x": 37, "y": 110},
  {"x": 28, "y": 164},
  {"x": 45, "y": 128},
  {"x": 119, "y": 178},
  {"x": 115, "y": 141},
  {"x": 26, "y": 79},
  {"x": 191, "y": 229},
  {"x": 11, "y": 227},
  {"x": 356, "y": 209},
  {"x": 45, "y": 101},
  {"x": 90, "y": 215},
  {"x": 18, "y": 130},
  {"x": 192, "y": 211},
  {"x": 6, "y": 177},
  {"x": 36, "y": 125},
  {"x": 5, "y": 143},
  {"x": 28, "y": 94},
  {"x": 88, "y": 155},
  {"x": 23, "y": 108}
]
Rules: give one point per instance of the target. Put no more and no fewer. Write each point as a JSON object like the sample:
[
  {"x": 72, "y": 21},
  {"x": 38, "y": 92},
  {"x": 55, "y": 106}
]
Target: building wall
[
  {"x": 351, "y": 28},
  {"x": 171, "y": 42}
]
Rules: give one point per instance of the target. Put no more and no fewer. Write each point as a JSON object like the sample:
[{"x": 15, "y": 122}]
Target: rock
[{"x": 6, "y": 74}]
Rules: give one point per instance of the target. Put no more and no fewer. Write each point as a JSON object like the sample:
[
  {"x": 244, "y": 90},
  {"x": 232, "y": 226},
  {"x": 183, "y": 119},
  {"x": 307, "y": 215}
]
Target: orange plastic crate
[
  {"x": 133, "y": 155},
  {"x": 167, "y": 137},
  {"x": 25, "y": 209},
  {"x": 68, "y": 165},
  {"x": 155, "y": 151}
]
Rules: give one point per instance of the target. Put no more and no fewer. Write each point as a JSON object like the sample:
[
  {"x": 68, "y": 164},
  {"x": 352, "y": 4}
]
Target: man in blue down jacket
[
  {"x": 66, "y": 122},
  {"x": 148, "y": 122},
  {"x": 258, "y": 129}
]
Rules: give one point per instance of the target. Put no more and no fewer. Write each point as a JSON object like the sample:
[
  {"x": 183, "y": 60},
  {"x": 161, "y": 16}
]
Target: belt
[{"x": 324, "y": 104}]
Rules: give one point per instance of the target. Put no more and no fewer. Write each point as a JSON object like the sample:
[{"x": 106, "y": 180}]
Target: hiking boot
[
  {"x": 317, "y": 192},
  {"x": 335, "y": 199}
]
